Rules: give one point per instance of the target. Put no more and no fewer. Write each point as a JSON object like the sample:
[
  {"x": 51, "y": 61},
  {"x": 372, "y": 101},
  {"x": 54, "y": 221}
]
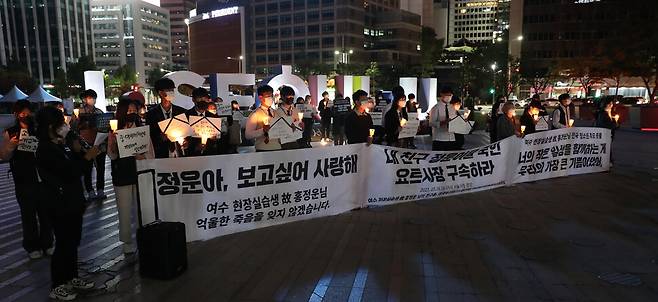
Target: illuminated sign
[
  {"x": 585, "y": 1},
  {"x": 214, "y": 14},
  {"x": 488, "y": 3}
]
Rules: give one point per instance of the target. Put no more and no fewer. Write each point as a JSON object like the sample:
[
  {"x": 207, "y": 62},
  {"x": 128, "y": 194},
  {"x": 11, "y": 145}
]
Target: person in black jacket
[
  {"x": 161, "y": 145},
  {"x": 506, "y": 124},
  {"x": 193, "y": 145},
  {"x": 124, "y": 176},
  {"x": 60, "y": 163},
  {"x": 493, "y": 118},
  {"x": 606, "y": 118},
  {"x": 530, "y": 117},
  {"x": 325, "y": 116},
  {"x": 393, "y": 121},
  {"x": 37, "y": 231},
  {"x": 358, "y": 122}
]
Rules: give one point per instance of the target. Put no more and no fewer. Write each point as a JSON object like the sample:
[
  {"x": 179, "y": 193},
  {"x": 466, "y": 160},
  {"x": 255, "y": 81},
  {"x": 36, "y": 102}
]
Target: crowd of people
[{"x": 54, "y": 183}]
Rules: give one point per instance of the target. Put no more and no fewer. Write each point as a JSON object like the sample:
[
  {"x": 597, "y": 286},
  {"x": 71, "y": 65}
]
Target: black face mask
[
  {"x": 26, "y": 120},
  {"x": 201, "y": 105},
  {"x": 133, "y": 118}
]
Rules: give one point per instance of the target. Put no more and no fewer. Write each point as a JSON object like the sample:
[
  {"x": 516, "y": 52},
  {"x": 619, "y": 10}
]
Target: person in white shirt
[
  {"x": 259, "y": 121},
  {"x": 562, "y": 115},
  {"x": 439, "y": 118},
  {"x": 287, "y": 110}
]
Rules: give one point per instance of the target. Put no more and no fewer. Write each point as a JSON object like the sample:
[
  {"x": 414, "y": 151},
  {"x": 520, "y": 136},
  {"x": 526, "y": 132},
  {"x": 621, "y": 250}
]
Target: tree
[
  {"x": 155, "y": 74},
  {"x": 431, "y": 50},
  {"x": 120, "y": 81},
  {"x": 374, "y": 73}
]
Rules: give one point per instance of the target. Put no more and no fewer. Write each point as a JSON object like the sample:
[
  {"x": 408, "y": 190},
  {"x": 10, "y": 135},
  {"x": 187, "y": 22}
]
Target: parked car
[
  {"x": 550, "y": 103},
  {"x": 521, "y": 103}
]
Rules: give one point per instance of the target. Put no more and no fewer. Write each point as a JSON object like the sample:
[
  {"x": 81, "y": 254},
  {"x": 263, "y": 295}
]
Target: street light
[
  {"x": 239, "y": 59},
  {"x": 493, "y": 90}
]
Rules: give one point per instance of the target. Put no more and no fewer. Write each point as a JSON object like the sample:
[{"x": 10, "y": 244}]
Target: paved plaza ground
[{"x": 583, "y": 238}]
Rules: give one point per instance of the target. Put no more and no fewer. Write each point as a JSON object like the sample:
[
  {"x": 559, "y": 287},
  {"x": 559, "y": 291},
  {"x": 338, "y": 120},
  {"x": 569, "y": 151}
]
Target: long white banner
[{"x": 220, "y": 195}]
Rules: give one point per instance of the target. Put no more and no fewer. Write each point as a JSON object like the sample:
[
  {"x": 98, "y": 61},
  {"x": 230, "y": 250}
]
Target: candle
[
  {"x": 266, "y": 121},
  {"x": 204, "y": 139},
  {"x": 403, "y": 122},
  {"x": 571, "y": 122},
  {"x": 67, "y": 119},
  {"x": 114, "y": 125},
  {"x": 522, "y": 128},
  {"x": 367, "y": 110},
  {"x": 535, "y": 117},
  {"x": 419, "y": 111},
  {"x": 372, "y": 132},
  {"x": 616, "y": 117},
  {"x": 300, "y": 115},
  {"x": 467, "y": 112},
  {"x": 76, "y": 112}
]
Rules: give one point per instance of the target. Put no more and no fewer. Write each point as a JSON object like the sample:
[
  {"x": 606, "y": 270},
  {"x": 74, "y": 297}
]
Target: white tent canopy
[
  {"x": 13, "y": 95},
  {"x": 40, "y": 95}
]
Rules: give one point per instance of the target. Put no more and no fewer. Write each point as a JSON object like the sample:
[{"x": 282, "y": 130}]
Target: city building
[
  {"x": 477, "y": 20},
  {"x": 179, "y": 11},
  {"x": 268, "y": 33},
  {"x": 129, "y": 32},
  {"x": 44, "y": 35}
]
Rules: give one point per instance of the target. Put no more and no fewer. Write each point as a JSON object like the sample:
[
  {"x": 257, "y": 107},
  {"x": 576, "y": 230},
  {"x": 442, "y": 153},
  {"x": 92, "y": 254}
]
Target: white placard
[
  {"x": 410, "y": 129},
  {"x": 100, "y": 138},
  {"x": 133, "y": 141},
  {"x": 460, "y": 126},
  {"x": 26, "y": 142},
  {"x": 176, "y": 128},
  {"x": 208, "y": 127},
  {"x": 224, "y": 109},
  {"x": 307, "y": 109},
  {"x": 542, "y": 123},
  {"x": 280, "y": 128}
]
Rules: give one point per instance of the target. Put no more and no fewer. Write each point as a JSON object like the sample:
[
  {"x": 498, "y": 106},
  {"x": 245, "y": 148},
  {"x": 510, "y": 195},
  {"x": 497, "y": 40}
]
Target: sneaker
[
  {"x": 50, "y": 251},
  {"x": 62, "y": 293},
  {"x": 35, "y": 255},
  {"x": 129, "y": 248},
  {"x": 78, "y": 283}
]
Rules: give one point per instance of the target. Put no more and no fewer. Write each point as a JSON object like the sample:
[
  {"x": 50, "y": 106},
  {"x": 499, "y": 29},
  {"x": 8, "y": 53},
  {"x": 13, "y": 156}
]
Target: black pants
[
  {"x": 444, "y": 146},
  {"x": 325, "y": 129},
  {"x": 99, "y": 162},
  {"x": 339, "y": 134},
  {"x": 37, "y": 229},
  {"x": 68, "y": 231},
  {"x": 308, "y": 131}
]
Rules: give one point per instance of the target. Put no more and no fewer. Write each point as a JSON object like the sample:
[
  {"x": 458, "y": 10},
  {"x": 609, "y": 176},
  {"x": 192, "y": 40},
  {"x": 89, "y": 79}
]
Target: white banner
[
  {"x": 563, "y": 152},
  {"x": 400, "y": 175},
  {"x": 133, "y": 141},
  {"x": 224, "y": 194},
  {"x": 220, "y": 195}
]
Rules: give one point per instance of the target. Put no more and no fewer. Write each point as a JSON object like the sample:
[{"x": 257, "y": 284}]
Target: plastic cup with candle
[
  {"x": 300, "y": 115},
  {"x": 467, "y": 112},
  {"x": 403, "y": 122},
  {"x": 616, "y": 117},
  {"x": 571, "y": 121},
  {"x": 372, "y": 132},
  {"x": 535, "y": 117},
  {"x": 522, "y": 128},
  {"x": 266, "y": 121},
  {"x": 114, "y": 125},
  {"x": 204, "y": 139},
  {"x": 76, "y": 112}
]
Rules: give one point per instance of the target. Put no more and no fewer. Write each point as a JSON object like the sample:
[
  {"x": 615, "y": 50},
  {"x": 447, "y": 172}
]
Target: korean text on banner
[{"x": 220, "y": 195}]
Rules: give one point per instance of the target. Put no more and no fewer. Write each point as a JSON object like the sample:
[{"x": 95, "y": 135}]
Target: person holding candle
[
  {"x": 194, "y": 146},
  {"x": 411, "y": 107},
  {"x": 396, "y": 118},
  {"x": 258, "y": 123},
  {"x": 287, "y": 110},
  {"x": 60, "y": 163},
  {"x": 124, "y": 176},
  {"x": 35, "y": 221},
  {"x": 506, "y": 125},
  {"x": 459, "y": 138},
  {"x": 439, "y": 118},
  {"x": 530, "y": 117},
  {"x": 608, "y": 119},
  {"x": 562, "y": 114},
  {"x": 493, "y": 117},
  {"x": 358, "y": 122},
  {"x": 85, "y": 123},
  {"x": 325, "y": 116},
  {"x": 305, "y": 142},
  {"x": 162, "y": 146}
]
